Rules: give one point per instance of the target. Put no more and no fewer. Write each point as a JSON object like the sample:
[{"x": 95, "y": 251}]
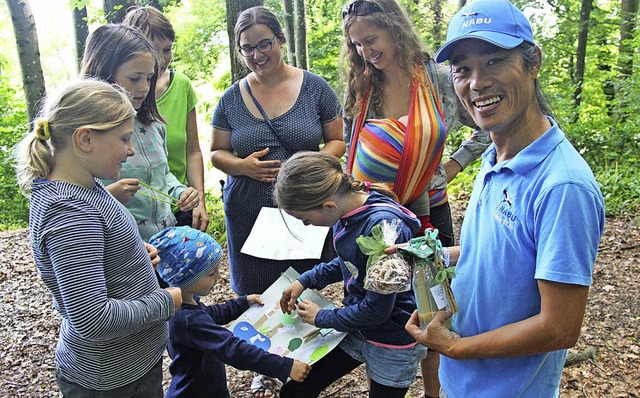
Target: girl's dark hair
[
  {"x": 308, "y": 179},
  {"x": 254, "y": 16},
  {"x": 110, "y": 46}
]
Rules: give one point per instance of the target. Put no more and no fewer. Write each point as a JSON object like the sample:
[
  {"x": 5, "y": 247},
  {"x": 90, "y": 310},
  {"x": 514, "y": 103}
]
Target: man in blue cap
[{"x": 531, "y": 232}]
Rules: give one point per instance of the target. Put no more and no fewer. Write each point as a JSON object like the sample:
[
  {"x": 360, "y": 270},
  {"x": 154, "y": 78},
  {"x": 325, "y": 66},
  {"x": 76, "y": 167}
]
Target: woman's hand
[
  {"x": 290, "y": 296},
  {"x": 189, "y": 199},
  {"x": 261, "y": 170},
  {"x": 124, "y": 189}
]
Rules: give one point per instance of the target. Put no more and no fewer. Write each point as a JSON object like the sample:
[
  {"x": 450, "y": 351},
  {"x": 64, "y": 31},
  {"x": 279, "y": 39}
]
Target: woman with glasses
[
  {"x": 399, "y": 108},
  {"x": 260, "y": 121}
]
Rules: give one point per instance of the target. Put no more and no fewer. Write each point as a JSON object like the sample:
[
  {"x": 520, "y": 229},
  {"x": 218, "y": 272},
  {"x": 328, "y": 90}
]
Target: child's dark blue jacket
[
  {"x": 200, "y": 348},
  {"x": 379, "y": 318}
]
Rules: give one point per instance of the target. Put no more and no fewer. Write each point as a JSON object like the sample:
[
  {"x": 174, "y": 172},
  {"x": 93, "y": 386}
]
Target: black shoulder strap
[{"x": 265, "y": 117}]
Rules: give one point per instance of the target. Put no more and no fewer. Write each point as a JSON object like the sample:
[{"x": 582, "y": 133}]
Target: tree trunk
[
  {"x": 234, "y": 8},
  {"x": 80, "y": 30},
  {"x": 628, "y": 12},
  {"x": 439, "y": 25},
  {"x": 300, "y": 34},
  {"x": 114, "y": 10},
  {"x": 581, "y": 51},
  {"x": 289, "y": 28},
  {"x": 24, "y": 27}
]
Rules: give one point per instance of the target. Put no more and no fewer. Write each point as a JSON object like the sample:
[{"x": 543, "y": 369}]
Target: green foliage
[
  {"x": 201, "y": 36},
  {"x": 216, "y": 226},
  {"x": 324, "y": 35},
  {"x": 620, "y": 186},
  {"x": 13, "y": 124},
  {"x": 462, "y": 185}
]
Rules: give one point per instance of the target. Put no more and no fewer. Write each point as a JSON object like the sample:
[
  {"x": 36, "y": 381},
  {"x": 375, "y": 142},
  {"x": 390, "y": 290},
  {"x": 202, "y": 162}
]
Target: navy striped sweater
[{"x": 91, "y": 258}]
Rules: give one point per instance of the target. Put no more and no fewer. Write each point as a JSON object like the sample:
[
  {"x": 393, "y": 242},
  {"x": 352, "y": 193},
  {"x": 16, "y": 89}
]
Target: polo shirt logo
[{"x": 504, "y": 212}]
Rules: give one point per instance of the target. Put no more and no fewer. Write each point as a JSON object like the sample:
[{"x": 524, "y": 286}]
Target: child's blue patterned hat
[{"x": 186, "y": 255}]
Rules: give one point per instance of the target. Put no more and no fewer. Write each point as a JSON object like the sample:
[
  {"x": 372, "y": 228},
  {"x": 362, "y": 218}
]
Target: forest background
[{"x": 591, "y": 72}]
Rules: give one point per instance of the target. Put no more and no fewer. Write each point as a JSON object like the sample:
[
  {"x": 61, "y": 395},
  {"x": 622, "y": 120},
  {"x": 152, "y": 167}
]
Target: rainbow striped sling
[{"x": 405, "y": 157}]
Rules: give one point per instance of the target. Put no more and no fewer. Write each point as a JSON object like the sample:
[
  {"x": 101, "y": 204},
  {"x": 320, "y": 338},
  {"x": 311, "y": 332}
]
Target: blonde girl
[
  {"x": 87, "y": 248},
  {"x": 312, "y": 187}
]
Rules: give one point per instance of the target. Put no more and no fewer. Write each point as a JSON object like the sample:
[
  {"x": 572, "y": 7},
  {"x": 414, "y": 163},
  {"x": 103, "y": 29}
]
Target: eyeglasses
[
  {"x": 266, "y": 46},
  {"x": 360, "y": 8}
]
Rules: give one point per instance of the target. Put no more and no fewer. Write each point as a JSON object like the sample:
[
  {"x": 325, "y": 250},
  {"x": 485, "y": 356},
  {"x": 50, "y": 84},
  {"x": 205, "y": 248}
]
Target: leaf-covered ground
[{"x": 29, "y": 325}]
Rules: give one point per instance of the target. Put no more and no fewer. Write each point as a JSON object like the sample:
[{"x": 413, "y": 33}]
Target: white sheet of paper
[{"x": 270, "y": 238}]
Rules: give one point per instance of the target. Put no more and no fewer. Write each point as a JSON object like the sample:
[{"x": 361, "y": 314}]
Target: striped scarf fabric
[{"x": 402, "y": 155}]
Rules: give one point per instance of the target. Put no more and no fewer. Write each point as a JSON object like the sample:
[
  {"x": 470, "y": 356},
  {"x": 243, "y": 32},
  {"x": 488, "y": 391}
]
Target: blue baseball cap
[
  {"x": 186, "y": 255},
  {"x": 495, "y": 21}
]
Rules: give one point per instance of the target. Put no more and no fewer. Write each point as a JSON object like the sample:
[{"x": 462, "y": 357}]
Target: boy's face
[{"x": 205, "y": 284}]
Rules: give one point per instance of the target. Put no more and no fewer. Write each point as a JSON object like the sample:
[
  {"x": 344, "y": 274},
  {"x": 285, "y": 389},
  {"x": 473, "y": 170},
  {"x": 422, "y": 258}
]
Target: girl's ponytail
[{"x": 34, "y": 156}]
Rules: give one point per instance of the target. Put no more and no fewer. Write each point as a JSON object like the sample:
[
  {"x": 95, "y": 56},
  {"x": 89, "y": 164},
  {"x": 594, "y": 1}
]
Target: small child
[
  {"x": 198, "y": 345},
  {"x": 312, "y": 187}
]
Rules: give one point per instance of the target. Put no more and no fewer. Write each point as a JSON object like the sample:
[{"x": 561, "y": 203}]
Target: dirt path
[{"x": 612, "y": 325}]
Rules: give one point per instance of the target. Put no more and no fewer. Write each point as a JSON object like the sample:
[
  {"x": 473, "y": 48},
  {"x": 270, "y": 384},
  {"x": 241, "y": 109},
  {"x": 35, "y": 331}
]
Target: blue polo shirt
[{"x": 539, "y": 215}]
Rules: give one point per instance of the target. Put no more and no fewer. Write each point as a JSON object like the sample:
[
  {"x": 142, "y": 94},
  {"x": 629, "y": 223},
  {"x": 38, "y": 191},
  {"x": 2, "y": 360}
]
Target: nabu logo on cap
[
  {"x": 474, "y": 20},
  {"x": 495, "y": 21}
]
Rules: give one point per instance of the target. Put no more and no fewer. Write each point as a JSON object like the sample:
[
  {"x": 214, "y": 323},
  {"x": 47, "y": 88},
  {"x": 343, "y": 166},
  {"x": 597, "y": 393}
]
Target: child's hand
[
  {"x": 290, "y": 296},
  {"x": 299, "y": 371},
  {"x": 189, "y": 199},
  {"x": 124, "y": 189},
  {"x": 307, "y": 311},
  {"x": 254, "y": 299},
  {"x": 176, "y": 295},
  {"x": 153, "y": 254}
]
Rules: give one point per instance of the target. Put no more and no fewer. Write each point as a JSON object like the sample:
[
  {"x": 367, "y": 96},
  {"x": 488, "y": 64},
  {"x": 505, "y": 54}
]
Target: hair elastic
[
  {"x": 42, "y": 130},
  {"x": 367, "y": 186}
]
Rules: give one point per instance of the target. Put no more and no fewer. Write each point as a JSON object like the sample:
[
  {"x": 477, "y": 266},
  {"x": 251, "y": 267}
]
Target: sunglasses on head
[{"x": 360, "y": 8}]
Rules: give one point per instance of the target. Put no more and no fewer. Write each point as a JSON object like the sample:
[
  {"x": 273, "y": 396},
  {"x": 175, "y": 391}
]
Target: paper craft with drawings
[
  {"x": 278, "y": 236},
  {"x": 270, "y": 329}
]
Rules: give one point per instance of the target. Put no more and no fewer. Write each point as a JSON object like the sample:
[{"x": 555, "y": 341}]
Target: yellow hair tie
[{"x": 42, "y": 130}]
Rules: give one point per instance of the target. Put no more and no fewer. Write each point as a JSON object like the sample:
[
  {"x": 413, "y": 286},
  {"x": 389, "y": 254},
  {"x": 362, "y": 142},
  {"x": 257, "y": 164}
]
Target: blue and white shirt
[
  {"x": 538, "y": 216},
  {"x": 91, "y": 258}
]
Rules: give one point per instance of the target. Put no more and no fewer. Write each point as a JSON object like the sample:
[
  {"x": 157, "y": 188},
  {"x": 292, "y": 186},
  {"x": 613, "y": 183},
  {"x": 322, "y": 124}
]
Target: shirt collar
[{"x": 528, "y": 158}]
